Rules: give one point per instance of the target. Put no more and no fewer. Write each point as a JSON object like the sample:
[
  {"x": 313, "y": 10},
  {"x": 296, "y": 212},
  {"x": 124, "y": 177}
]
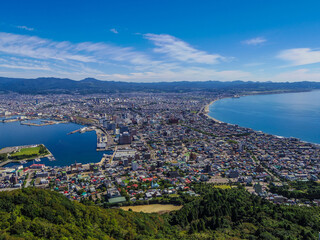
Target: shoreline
[
  {"x": 206, "y": 110},
  {"x": 4, "y": 163}
]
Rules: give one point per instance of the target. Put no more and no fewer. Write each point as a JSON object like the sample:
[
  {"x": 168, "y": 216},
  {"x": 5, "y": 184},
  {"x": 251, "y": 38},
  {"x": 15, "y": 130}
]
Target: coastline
[
  {"x": 206, "y": 111},
  {"x": 4, "y": 163}
]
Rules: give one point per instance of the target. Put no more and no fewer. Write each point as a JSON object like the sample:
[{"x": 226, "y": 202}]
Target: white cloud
[
  {"x": 180, "y": 50},
  {"x": 114, "y": 30},
  {"x": 25, "y": 28},
  {"x": 39, "y": 48},
  {"x": 32, "y": 56},
  {"x": 23, "y": 63},
  {"x": 300, "y": 56},
  {"x": 23, "y": 67},
  {"x": 298, "y": 75},
  {"x": 254, "y": 41},
  {"x": 86, "y": 52},
  {"x": 31, "y": 52},
  {"x": 182, "y": 74}
]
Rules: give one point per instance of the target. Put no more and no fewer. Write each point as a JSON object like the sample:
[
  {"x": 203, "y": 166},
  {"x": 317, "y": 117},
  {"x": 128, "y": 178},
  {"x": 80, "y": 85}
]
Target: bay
[
  {"x": 66, "y": 148},
  {"x": 289, "y": 114}
]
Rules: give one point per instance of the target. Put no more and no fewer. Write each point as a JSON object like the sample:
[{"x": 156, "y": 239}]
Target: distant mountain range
[{"x": 91, "y": 85}]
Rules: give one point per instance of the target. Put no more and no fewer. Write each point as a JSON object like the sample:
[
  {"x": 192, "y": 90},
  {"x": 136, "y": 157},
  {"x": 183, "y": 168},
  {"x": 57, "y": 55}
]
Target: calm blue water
[
  {"x": 66, "y": 148},
  {"x": 288, "y": 115}
]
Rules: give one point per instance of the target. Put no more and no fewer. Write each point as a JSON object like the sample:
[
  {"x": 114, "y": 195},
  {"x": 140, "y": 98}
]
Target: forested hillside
[
  {"x": 90, "y": 85},
  {"x": 218, "y": 214},
  {"x": 41, "y": 214},
  {"x": 236, "y": 213}
]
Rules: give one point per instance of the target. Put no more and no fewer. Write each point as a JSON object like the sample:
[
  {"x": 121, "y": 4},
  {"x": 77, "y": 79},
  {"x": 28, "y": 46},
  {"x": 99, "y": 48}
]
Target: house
[
  {"x": 37, "y": 166},
  {"x": 233, "y": 174},
  {"x": 173, "y": 174}
]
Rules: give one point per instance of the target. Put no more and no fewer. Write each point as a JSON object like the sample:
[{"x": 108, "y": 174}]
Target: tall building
[
  {"x": 124, "y": 129},
  {"x": 125, "y": 138}
]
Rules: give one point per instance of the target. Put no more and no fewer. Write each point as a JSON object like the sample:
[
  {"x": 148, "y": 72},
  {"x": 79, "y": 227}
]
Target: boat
[
  {"x": 23, "y": 162},
  {"x": 37, "y": 159}
]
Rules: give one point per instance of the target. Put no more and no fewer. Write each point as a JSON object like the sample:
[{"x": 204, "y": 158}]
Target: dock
[
  {"x": 82, "y": 130},
  {"x": 104, "y": 140}
]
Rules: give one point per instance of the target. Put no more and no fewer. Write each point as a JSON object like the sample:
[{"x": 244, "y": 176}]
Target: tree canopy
[{"x": 217, "y": 214}]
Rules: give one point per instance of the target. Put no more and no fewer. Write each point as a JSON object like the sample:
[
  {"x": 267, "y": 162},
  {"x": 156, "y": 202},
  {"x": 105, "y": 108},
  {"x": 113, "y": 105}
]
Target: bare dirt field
[
  {"x": 220, "y": 180},
  {"x": 153, "y": 208}
]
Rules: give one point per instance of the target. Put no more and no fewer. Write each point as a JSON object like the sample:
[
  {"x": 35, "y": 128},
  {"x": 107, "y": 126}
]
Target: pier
[{"x": 83, "y": 130}]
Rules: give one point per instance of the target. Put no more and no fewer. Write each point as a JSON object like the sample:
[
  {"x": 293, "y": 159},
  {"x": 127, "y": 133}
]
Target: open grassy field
[
  {"x": 27, "y": 151},
  {"x": 153, "y": 208}
]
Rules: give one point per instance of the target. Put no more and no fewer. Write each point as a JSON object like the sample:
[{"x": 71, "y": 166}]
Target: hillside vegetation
[
  {"x": 218, "y": 214},
  {"x": 40, "y": 214},
  {"x": 90, "y": 85},
  {"x": 236, "y": 214}
]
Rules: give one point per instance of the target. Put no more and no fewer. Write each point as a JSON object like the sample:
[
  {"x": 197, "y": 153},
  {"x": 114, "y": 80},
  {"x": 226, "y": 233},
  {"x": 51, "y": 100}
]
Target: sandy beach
[{"x": 206, "y": 111}]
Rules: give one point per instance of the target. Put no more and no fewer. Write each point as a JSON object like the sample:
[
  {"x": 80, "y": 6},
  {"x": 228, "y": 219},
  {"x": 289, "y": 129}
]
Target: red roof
[
  {"x": 147, "y": 179},
  {"x": 37, "y": 165}
]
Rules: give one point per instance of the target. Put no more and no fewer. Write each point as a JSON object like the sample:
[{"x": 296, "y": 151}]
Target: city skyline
[{"x": 161, "y": 41}]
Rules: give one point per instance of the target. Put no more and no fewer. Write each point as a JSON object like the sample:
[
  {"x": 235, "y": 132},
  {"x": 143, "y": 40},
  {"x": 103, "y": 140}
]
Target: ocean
[{"x": 288, "y": 114}]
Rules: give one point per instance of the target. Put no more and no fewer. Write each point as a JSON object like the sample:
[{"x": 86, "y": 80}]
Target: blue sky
[{"x": 161, "y": 40}]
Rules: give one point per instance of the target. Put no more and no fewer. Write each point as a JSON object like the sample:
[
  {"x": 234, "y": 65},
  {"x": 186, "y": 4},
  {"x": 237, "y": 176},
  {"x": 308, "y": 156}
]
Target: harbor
[
  {"x": 66, "y": 148},
  {"x": 104, "y": 140},
  {"x": 31, "y": 121},
  {"x": 10, "y": 151}
]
